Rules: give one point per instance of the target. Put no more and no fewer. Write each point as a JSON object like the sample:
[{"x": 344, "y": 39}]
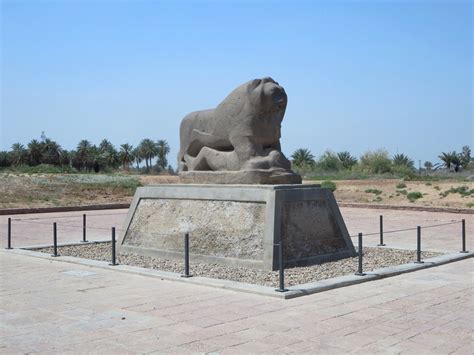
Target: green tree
[
  {"x": 137, "y": 156},
  {"x": 148, "y": 150},
  {"x": 107, "y": 156},
  {"x": 163, "y": 149},
  {"x": 347, "y": 160},
  {"x": 51, "y": 152},
  {"x": 18, "y": 154},
  {"x": 329, "y": 161},
  {"x": 302, "y": 157},
  {"x": 4, "y": 159},
  {"x": 35, "y": 152},
  {"x": 465, "y": 156},
  {"x": 428, "y": 165},
  {"x": 376, "y": 162},
  {"x": 451, "y": 160},
  {"x": 403, "y": 160},
  {"x": 126, "y": 155}
]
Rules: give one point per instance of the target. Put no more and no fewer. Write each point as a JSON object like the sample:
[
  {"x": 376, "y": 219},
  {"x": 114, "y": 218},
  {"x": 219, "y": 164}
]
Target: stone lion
[{"x": 241, "y": 134}]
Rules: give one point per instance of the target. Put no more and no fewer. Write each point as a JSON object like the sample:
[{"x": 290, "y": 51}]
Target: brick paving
[{"x": 55, "y": 307}]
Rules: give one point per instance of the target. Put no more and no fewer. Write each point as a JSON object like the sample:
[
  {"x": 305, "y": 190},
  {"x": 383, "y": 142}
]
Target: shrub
[
  {"x": 413, "y": 196},
  {"x": 329, "y": 161},
  {"x": 328, "y": 184},
  {"x": 401, "y": 185},
  {"x": 377, "y": 162},
  {"x": 462, "y": 190},
  {"x": 373, "y": 191}
]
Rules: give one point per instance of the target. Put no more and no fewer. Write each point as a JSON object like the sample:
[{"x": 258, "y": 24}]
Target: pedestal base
[{"x": 237, "y": 225}]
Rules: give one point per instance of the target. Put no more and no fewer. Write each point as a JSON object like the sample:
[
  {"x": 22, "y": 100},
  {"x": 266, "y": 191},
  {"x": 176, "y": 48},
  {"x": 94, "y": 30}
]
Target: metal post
[
  {"x": 359, "y": 271},
  {"x": 113, "y": 248},
  {"x": 381, "y": 244},
  {"x": 9, "y": 234},
  {"x": 463, "y": 234},
  {"x": 186, "y": 256},
  {"x": 84, "y": 233},
  {"x": 418, "y": 246},
  {"x": 281, "y": 269},
  {"x": 55, "y": 240}
]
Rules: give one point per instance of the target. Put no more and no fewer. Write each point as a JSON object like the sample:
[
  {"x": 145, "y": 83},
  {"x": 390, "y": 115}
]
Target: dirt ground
[
  {"x": 397, "y": 192},
  {"x": 50, "y": 190}
]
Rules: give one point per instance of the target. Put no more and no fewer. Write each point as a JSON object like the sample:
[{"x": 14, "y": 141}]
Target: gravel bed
[{"x": 374, "y": 258}]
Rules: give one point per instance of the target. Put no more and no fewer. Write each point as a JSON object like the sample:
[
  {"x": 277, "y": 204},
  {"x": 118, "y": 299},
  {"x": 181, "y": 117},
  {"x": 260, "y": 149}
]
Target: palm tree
[
  {"x": 4, "y": 159},
  {"x": 148, "y": 150},
  {"x": 403, "y": 160},
  {"x": 105, "y": 145},
  {"x": 163, "y": 149},
  {"x": 18, "y": 154},
  {"x": 428, "y": 165},
  {"x": 126, "y": 155},
  {"x": 51, "y": 152},
  {"x": 347, "y": 160},
  {"x": 137, "y": 156},
  {"x": 450, "y": 160},
  {"x": 302, "y": 157},
  {"x": 35, "y": 152},
  {"x": 83, "y": 153}
]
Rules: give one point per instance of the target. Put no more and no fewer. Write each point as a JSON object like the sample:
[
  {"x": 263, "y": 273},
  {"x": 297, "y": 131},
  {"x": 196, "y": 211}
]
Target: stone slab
[
  {"x": 237, "y": 225},
  {"x": 239, "y": 177}
]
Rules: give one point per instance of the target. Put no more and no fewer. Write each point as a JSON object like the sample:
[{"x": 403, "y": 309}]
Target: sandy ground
[
  {"x": 393, "y": 192},
  {"x": 48, "y": 190}
]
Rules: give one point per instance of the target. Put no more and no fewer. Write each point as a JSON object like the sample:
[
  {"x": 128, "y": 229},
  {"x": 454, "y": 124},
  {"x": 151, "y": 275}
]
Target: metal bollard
[
  {"x": 84, "y": 232},
  {"x": 55, "y": 240},
  {"x": 381, "y": 244},
  {"x": 9, "y": 234},
  {"x": 463, "y": 235},
  {"x": 186, "y": 256},
  {"x": 113, "y": 263},
  {"x": 281, "y": 275},
  {"x": 418, "y": 246},
  {"x": 359, "y": 271}
]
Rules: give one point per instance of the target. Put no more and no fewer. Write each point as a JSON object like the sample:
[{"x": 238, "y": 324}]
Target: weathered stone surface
[
  {"x": 237, "y": 224},
  {"x": 241, "y": 137},
  {"x": 309, "y": 228},
  {"x": 219, "y": 228}
]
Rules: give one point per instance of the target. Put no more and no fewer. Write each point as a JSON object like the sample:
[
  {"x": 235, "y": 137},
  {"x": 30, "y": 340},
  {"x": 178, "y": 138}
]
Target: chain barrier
[{"x": 407, "y": 229}]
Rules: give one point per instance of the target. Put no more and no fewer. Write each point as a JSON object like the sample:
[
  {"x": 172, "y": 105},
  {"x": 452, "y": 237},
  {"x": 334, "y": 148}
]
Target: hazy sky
[{"x": 359, "y": 75}]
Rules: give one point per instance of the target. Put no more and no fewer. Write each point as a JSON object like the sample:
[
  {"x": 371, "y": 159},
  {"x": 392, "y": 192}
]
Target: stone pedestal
[{"x": 237, "y": 224}]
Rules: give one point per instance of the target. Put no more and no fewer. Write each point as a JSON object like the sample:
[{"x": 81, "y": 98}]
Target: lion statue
[{"x": 242, "y": 134}]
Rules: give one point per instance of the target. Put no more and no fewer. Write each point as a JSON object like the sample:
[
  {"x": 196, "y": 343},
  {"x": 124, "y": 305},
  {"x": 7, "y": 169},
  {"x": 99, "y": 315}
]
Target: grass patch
[
  {"x": 328, "y": 184},
  {"x": 462, "y": 190},
  {"x": 401, "y": 185},
  {"x": 373, "y": 191},
  {"x": 413, "y": 196},
  {"x": 470, "y": 204},
  {"x": 40, "y": 169}
]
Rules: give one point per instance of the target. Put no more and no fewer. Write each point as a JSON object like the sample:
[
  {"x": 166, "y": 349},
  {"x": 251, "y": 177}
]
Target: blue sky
[{"x": 359, "y": 75}]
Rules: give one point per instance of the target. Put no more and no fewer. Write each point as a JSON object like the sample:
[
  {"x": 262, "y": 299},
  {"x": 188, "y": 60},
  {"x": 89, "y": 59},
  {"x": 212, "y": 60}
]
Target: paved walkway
[
  {"x": 34, "y": 229},
  {"x": 55, "y": 307}
]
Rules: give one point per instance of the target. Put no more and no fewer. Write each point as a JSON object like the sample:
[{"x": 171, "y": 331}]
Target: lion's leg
[
  {"x": 252, "y": 155},
  {"x": 214, "y": 160}
]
